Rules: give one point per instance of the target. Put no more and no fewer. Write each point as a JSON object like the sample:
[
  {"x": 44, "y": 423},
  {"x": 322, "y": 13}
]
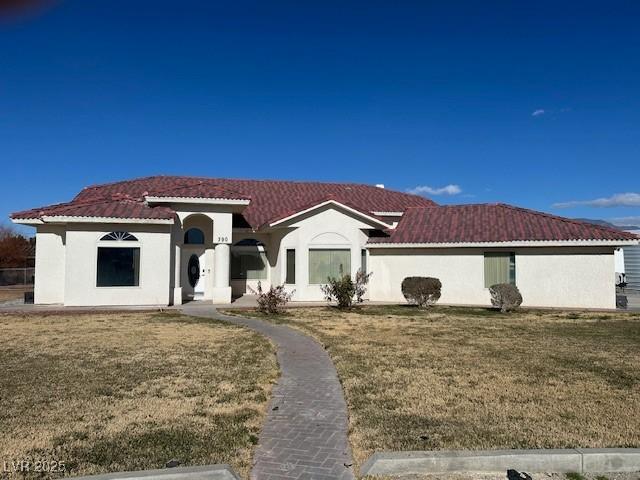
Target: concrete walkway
[{"x": 305, "y": 432}]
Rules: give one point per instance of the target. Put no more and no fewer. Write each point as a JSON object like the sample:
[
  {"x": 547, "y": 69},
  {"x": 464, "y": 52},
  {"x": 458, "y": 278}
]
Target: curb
[
  {"x": 206, "y": 472},
  {"x": 583, "y": 460}
]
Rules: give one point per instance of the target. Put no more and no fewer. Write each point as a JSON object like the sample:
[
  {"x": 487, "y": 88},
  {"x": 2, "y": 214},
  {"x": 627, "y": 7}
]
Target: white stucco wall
[
  {"x": 568, "y": 278},
  {"x": 546, "y": 277},
  {"x": 327, "y": 228},
  {"x": 82, "y": 242},
  {"x": 461, "y": 272},
  {"x": 50, "y": 265}
]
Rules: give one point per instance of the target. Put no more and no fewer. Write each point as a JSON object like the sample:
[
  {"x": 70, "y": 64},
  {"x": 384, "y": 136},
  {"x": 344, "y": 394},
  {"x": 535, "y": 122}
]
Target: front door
[{"x": 196, "y": 274}]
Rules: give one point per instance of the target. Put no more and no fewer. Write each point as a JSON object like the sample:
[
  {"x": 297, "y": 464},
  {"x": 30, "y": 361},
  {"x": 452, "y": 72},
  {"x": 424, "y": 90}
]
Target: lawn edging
[
  {"x": 581, "y": 460},
  {"x": 205, "y": 472}
]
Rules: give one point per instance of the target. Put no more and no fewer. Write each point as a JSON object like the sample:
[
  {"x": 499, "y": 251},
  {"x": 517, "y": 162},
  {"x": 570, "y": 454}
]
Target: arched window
[
  {"x": 119, "y": 237},
  {"x": 194, "y": 236},
  {"x": 248, "y": 260},
  {"x": 329, "y": 257},
  {"x": 118, "y": 265}
]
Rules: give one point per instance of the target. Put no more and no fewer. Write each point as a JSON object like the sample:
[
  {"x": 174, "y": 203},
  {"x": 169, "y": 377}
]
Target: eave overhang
[
  {"x": 56, "y": 219},
  {"x": 511, "y": 244},
  {"x": 370, "y": 219}
]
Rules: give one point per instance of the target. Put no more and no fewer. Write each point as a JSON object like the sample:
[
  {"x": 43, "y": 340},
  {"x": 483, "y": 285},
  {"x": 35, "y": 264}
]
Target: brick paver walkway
[{"x": 305, "y": 432}]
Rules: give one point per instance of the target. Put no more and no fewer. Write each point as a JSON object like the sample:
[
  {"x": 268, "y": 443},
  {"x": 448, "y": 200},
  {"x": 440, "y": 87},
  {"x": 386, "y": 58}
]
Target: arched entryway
[
  {"x": 197, "y": 257},
  {"x": 249, "y": 265}
]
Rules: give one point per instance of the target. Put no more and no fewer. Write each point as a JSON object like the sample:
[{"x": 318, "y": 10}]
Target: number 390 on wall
[{"x": 222, "y": 240}]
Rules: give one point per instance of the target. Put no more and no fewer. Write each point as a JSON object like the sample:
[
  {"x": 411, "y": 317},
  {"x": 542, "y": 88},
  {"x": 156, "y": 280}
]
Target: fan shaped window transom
[{"x": 119, "y": 237}]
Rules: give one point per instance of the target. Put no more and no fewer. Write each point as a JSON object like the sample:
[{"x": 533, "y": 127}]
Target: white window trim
[{"x": 117, "y": 244}]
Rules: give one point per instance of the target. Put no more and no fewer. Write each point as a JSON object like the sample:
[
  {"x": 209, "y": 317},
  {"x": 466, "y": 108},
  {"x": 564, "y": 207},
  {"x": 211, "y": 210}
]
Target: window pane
[
  {"x": 291, "y": 267},
  {"x": 499, "y": 268},
  {"x": 319, "y": 261},
  {"x": 324, "y": 264},
  {"x": 340, "y": 263},
  {"x": 194, "y": 236},
  {"x": 248, "y": 265},
  {"x": 118, "y": 267},
  {"x": 363, "y": 261}
]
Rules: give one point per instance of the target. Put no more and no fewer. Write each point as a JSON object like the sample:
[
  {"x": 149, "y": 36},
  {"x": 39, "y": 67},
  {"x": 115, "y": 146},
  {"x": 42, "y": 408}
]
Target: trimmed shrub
[
  {"x": 273, "y": 300},
  {"x": 505, "y": 296},
  {"x": 421, "y": 291},
  {"x": 345, "y": 291}
]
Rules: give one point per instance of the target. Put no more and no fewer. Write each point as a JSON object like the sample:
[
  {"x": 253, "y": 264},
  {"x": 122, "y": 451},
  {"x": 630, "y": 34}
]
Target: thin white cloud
[
  {"x": 427, "y": 190},
  {"x": 625, "y": 221},
  {"x": 618, "y": 200},
  {"x": 553, "y": 112}
]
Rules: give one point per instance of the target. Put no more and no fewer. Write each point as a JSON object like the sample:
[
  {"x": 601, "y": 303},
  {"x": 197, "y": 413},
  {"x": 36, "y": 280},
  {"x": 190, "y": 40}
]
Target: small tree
[
  {"x": 505, "y": 296},
  {"x": 362, "y": 280},
  {"x": 273, "y": 300},
  {"x": 14, "y": 248},
  {"x": 421, "y": 291},
  {"x": 345, "y": 291}
]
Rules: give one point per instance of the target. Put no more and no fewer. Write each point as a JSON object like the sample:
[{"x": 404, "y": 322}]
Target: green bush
[
  {"x": 345, "y": 291},
  {"x": 505, "y": 296},
  {"x": 421, "y": 291}
]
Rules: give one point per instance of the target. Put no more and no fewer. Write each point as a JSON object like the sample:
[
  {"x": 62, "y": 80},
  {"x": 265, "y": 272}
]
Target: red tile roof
[
  {"x": 200, "y": 190},
  {"x": 492, "y": 223},
  {"x": 113, "y": 208},
  {"x": 269, "y": 200}
]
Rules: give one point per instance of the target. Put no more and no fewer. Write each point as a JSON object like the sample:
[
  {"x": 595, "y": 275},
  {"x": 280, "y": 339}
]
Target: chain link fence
[{"x": 16, "y": 276}]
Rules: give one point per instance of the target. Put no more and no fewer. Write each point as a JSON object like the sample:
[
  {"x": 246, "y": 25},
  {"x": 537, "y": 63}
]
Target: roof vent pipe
[{"x": 380, "y": 185}]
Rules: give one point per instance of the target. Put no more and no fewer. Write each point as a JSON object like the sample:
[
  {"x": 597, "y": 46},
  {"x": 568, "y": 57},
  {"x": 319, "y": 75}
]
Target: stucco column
[
  {"x": 177, "y": 285},
  {"x": 221, "y": 265},
  {"x": 208, "y": 278}
]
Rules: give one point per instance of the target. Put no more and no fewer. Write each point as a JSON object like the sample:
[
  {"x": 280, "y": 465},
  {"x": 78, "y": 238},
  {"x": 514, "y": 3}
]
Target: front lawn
[
  {"x": 463, "y": 378},
  {"x": 116, "y": 392}
]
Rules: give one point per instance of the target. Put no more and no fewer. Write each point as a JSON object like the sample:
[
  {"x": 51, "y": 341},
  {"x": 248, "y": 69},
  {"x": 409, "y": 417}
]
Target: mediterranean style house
[{"x": 163, "y": 240}]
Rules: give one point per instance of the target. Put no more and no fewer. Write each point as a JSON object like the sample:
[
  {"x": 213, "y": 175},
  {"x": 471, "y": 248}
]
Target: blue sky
[{"x": 533, "y": 104}]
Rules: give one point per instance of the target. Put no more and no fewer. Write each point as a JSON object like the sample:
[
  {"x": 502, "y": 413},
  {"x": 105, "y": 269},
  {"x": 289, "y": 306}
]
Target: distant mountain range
[{"x": 604, "y": 223}]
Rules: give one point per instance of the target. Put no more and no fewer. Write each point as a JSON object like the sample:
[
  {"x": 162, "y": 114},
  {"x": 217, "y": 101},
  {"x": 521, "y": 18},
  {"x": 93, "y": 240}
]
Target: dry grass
[
  {"x": 454, "y": 378},
  {"x": 115, "y": 392},
  {"x": 13, "y": 293}
]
